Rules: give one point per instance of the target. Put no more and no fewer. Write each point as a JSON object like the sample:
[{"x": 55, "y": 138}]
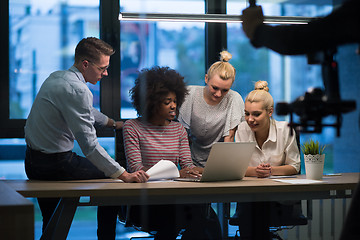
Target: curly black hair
[{"x": 152, "y": 86}]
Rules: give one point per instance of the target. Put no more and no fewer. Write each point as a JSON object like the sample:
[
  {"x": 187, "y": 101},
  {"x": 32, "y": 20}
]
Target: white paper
[
  {"x": 164, "y": 169},
  {"x": 282, "y": 176},
  {"x": 298, "y": 181}
]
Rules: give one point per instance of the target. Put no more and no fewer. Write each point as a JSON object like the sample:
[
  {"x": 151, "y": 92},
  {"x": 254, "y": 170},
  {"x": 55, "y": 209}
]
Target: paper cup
[{"x": 314, "y": 166}]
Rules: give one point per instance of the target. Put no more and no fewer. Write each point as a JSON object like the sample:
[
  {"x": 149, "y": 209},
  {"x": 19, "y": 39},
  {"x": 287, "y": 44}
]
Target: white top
[
  {"x": 279, "y": 149},
  {"x": 208, "y": 124},
  {"x": 62, "y": 112}
]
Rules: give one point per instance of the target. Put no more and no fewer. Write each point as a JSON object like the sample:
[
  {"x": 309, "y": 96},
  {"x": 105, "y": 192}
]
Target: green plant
[{"x": 312, "y": 147}]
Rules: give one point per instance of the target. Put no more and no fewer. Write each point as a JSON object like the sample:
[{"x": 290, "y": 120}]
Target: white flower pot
[{"x": 314, "y": 166}]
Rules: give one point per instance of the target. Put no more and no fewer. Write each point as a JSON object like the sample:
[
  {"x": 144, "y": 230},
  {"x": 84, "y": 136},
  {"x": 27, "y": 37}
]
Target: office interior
[{"x": 40, "y": 37}]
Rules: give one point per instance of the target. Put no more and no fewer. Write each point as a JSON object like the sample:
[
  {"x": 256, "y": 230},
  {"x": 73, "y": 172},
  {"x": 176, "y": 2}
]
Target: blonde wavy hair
[
  {"x": 261, "y": 94},
  {"x": 223, "y": 68}
]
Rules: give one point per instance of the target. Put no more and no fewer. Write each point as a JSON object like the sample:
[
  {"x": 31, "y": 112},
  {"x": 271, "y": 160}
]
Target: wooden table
[
  {"x": 112, "y": 192},
  {"x": 16, "y": 212}
]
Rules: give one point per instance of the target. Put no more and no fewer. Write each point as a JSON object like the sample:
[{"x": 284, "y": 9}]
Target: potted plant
[
  {"x": 312, "y": 147},
  {"x": 314, "y": 158}
]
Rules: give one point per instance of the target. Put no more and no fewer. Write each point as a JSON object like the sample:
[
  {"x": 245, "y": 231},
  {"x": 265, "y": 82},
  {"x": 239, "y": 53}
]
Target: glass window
[
  {"x": 288, "y": 76},
  {"x": 284, "y": 8},
  {"x": 163, "y": 6},
  {"x": 43, "y": 35},
  {"x": 146, "y": 44}
]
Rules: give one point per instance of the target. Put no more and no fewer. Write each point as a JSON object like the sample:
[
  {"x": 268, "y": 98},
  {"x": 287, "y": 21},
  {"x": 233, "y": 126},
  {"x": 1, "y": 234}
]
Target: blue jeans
[{"x": 65, "y": 166}]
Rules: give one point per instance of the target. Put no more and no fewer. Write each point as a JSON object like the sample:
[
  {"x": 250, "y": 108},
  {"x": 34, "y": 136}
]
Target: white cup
[{"x": 314, "y": 166}]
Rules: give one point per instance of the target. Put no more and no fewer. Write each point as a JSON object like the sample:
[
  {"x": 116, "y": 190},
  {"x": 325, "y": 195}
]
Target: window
[
  {"x": 43, "y": 34},
  {"x": 42, "y": 39},
  {"x": 288, "y": 76},
  {"x": 146, "y": 44}
]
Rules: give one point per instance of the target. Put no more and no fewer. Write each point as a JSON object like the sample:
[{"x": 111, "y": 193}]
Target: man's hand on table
[{"x": 138, "y": 176}]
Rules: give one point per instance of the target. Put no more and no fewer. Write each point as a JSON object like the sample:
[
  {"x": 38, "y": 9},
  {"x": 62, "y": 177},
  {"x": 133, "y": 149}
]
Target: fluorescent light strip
[{"x": 212, "y": 18}]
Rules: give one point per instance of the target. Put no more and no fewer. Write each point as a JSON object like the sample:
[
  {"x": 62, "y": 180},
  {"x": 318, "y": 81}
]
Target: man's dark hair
[
  {"x": 152, "y": 86},
  {"x": 91, "y": 49}
]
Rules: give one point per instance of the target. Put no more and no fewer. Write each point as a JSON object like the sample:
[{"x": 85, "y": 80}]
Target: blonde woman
[
  {"x": 211, "y": 113},
  {"x": 276, "y": 153}
]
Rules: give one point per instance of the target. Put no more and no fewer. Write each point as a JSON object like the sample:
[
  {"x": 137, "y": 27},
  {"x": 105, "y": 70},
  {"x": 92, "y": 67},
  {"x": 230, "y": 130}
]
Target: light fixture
[{"x": 210, "y": 18}]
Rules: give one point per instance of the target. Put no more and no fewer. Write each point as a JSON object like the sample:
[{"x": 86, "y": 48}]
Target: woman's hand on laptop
[{"x": 191, "y": 172}]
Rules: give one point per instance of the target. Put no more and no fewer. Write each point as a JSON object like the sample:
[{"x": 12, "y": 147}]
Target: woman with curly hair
[
  {"x": 156, "y": 96},
  {"x": 153, "y": 136}
]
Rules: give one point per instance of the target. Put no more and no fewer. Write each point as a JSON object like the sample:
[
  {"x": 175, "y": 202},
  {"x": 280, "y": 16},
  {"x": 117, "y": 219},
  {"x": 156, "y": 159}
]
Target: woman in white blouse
[{"x": 276, "y": 153}]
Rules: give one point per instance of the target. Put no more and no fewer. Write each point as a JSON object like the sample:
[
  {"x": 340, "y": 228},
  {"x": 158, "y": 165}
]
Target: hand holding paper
[{"x": 164, "y": 169}]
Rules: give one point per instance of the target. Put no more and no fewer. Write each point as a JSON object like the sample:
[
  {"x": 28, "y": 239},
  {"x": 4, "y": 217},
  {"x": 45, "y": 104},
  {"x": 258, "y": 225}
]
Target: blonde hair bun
[
  {"x": 222, "y": 68},
  {"x": 225, "y": 56},
  {"x": 262, "y": 85}
]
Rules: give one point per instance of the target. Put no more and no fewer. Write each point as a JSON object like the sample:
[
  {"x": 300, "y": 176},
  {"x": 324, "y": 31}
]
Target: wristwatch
[{"x": 114, "y": 124}]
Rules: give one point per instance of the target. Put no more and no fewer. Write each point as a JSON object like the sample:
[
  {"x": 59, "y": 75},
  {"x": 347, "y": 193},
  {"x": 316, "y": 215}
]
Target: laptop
[{"x": 226, "y": 161}]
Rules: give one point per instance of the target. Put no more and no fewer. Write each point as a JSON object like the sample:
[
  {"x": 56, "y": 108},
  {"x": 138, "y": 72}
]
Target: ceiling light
[{"x": 210, "y": 18}]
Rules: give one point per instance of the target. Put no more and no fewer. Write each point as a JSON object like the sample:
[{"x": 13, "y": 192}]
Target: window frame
[
  {"x": 110, "y": 94},
  {"x": 9, "y": 128}
]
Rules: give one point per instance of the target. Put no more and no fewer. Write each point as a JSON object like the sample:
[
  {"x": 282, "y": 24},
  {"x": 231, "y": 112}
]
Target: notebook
[{"x": 226, "y": 161}]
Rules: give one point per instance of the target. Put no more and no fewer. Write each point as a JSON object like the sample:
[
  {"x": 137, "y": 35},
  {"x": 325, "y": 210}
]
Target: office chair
[
  {"x": 283, "y": 215},
  {"x": 135, "y": 216},
  {"x": 124, "y": 210},
  {"x": 130, "y": 216},
  {"x": 121, "y": 159},
  {"x": 290, "y": 213}
]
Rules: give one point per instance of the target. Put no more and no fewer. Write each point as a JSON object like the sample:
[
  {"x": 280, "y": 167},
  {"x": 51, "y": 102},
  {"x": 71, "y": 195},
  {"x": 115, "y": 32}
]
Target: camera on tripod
[{"x": 317, "y": 103}]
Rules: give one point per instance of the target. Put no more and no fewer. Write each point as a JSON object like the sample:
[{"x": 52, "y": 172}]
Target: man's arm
[
  {"x": 101, "y": 120},
  {"x": 340, "y": 27},
  {"x": 139, "y": 177},
  {"x": 114, "y": 124}
]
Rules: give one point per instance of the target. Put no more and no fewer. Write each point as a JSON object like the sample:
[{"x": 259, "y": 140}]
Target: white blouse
[{"x": 279, "y": 149}]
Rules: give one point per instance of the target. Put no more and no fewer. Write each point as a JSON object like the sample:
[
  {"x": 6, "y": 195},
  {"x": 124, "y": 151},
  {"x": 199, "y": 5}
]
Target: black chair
[
  {"x": 121, "y": 159},
  {"x": 283, "y": 215},
  {"x": 291, "y": 215},
  {"x": 131, "y": 216},
  {"x": 124, "y": 210}
]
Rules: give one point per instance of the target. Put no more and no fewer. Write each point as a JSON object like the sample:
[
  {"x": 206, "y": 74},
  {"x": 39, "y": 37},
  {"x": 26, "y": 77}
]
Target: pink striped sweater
[{"x": 147, "y": 144}]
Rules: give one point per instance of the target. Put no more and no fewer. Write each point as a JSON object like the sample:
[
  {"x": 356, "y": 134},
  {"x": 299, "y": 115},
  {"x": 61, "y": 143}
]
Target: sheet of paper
[
  {"x": 275, "y": 177},
  {"x": 298, "y": 181},
  {"x": 164, "y": 169}
]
